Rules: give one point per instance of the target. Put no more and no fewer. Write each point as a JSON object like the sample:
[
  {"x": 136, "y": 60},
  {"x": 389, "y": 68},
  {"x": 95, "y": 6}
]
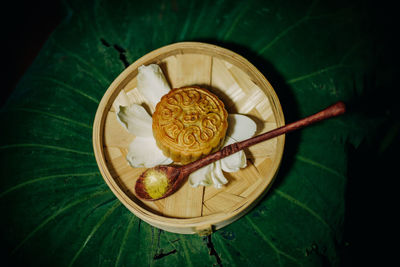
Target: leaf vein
[
  {"x": 226, "y": 251},
  {"x": 269, "y": 242},
  {"x": 187, "y": 22},
  {"x": 288, "y": 29},
  {"x": 186, "y": 253},
  {"x": 121, "y": 248},
  {"x": 84, "y": 62},
  {"x": 62, "y": 118},
  {"x": 282, "y": 34},
  {"x": 44, "y": 178},
  {"x": 95, "y": 228},
  {"x": 67, "y": 86},
  {"x": 303, "y": 206},
  {"x": 319, "y": 165},
  {"x": 26, "y": 145},
  {"x": 314, "y": 73},
  {"x": 236, "y": 21},
  {"x": 55, "y": 214}
]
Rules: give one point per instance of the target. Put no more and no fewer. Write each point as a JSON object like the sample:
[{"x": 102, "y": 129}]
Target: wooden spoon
[{"x": 162, "y": 181}]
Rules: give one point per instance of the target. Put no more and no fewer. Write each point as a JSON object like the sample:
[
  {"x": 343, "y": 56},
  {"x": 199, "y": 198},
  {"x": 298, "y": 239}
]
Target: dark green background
[{"x": 332, "y": 203}]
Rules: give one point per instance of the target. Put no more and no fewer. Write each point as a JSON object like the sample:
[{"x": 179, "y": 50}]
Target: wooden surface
[{"x": 243, "y": 90}]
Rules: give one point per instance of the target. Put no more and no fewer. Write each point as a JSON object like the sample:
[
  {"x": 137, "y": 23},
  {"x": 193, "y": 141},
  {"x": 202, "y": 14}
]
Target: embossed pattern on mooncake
[{"x": 188, "y": 123}]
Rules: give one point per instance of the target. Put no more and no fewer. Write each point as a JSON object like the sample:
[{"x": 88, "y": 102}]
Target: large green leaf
[{"x": 56, "y": 208}]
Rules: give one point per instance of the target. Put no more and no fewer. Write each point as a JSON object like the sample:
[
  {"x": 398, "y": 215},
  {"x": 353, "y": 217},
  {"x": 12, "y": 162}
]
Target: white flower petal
[
  {"x": 122, "y": 99},
  {"x": 217, "y": 176},
  {"x": 240, "y": 127},
  {"x": 136, "y": 120},
  {"x": 143, "y": 152},
  {"x": 234, "y": 162},
  {"x": 201, "y": 176},
  {"x": 151, "y": 83}
]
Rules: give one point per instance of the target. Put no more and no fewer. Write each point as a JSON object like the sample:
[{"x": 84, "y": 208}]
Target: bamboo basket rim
[{"x": 160, "y": 221}]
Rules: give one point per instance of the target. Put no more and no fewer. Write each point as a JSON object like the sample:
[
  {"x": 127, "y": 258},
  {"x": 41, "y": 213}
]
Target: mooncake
[{"x": 189, "y": 123}]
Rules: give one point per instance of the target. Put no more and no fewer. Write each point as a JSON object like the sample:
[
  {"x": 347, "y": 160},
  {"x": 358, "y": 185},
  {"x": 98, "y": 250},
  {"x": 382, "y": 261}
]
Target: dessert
[{"x": 188, "y": 123}]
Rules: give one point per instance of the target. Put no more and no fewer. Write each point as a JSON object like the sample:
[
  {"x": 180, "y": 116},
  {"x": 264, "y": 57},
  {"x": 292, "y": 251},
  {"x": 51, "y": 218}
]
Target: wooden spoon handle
[{"x": 331, "y": 111}]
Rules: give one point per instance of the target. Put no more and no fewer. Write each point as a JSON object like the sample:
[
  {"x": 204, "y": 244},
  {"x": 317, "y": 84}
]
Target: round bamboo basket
[{"x": 242, "y": 88}]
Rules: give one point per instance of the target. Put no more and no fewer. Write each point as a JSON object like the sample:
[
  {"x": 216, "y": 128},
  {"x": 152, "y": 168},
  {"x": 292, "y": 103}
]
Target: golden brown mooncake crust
[{"x": 188, "y": 123}]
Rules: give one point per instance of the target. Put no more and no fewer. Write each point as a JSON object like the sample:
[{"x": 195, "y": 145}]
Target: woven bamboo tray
[{"x": 242, "y": 88}]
